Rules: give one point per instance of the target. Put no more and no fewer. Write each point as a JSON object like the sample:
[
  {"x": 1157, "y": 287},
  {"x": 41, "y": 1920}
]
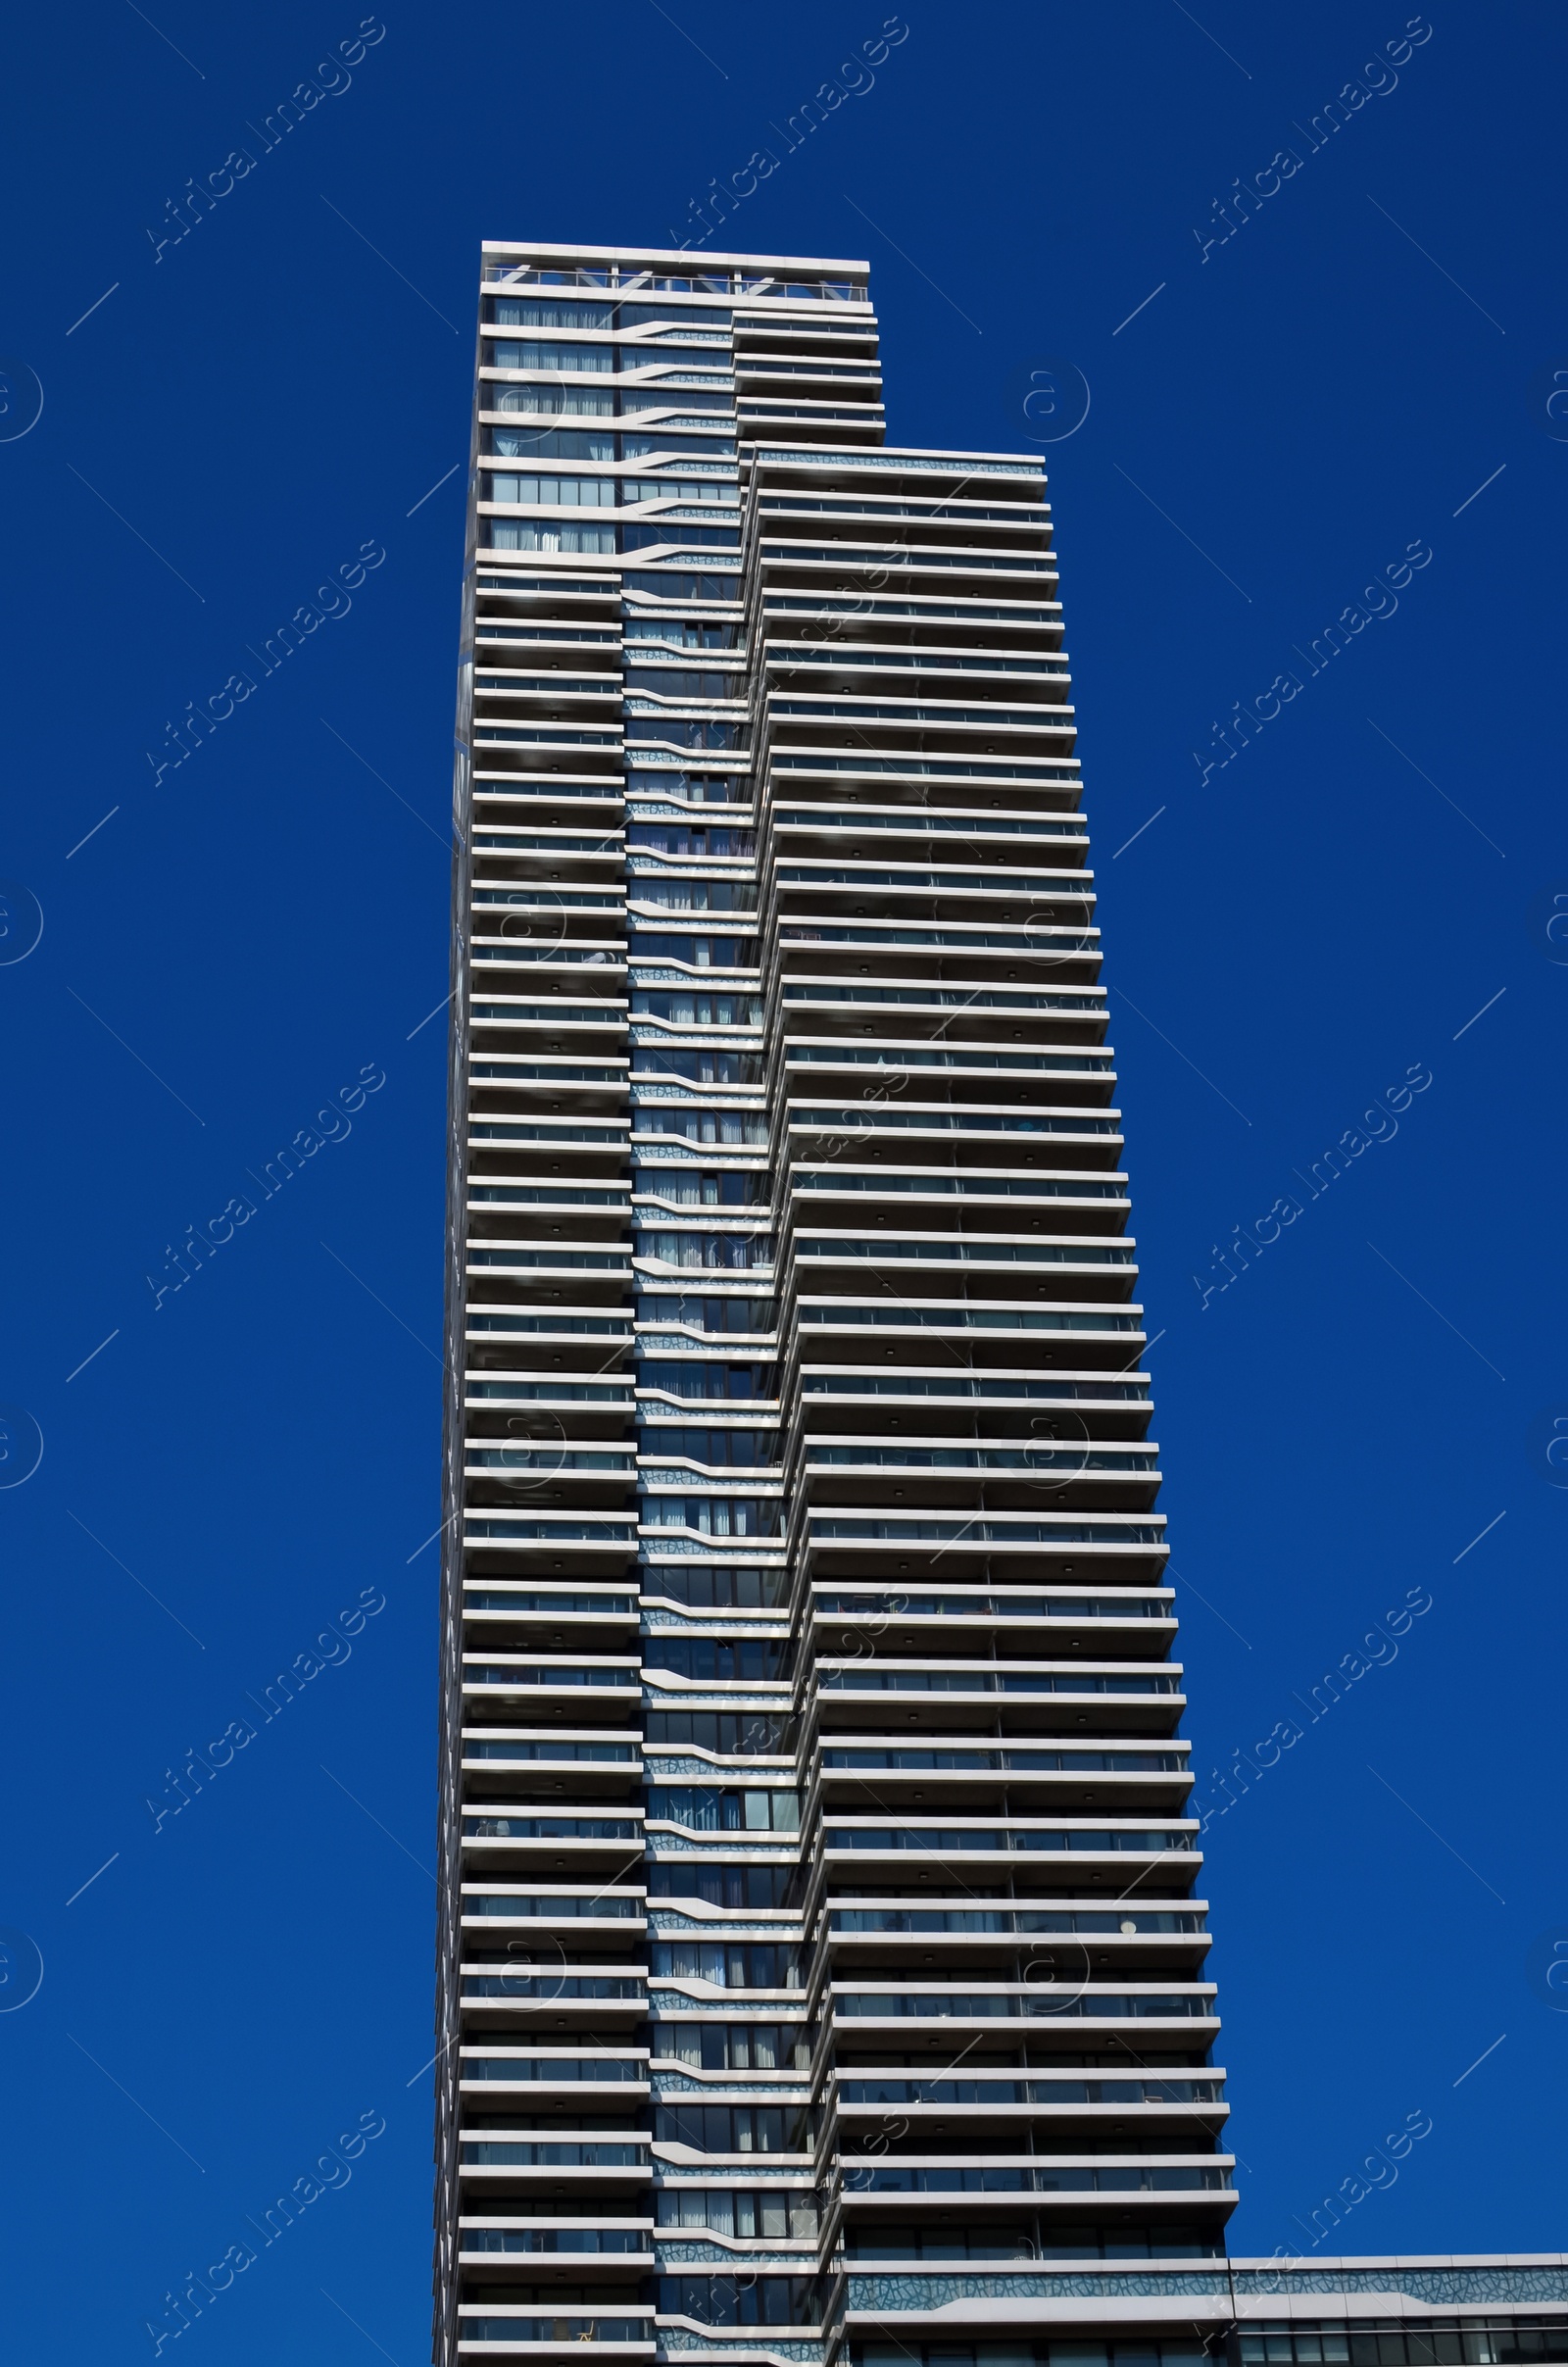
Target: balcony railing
[
  {"x": 596, "y": 2072},
  {"x": 1040, "y": 2004},
  {"x": 545, "y": 1988},
  {"x": 1022, "y": 1762},
  {"x": 944, "y": 1840},
  {"x": 979, "y": 1680},
  {"x": 473, "y": 2328},
  {"x": 605, "y": 1906},
  {"x": 558, "y": 2240},
  {"x": 971, "y": 1529},
  {"x": 891, "y": 2178},
  {"x": 708, "y": 283},
  {"x": 564, "y": 1672},
  {"x": 875, "y": 2090},
  {"x": 1064, "y": 1606},
  {"x": 551, "y": 1828},
  {"x": 1129, "y": 1922},
  {"x": 561, "y": 2154}
]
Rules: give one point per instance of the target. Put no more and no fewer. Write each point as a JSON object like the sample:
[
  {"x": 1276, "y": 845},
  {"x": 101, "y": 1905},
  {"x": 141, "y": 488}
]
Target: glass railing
[
  {"x": 872, "y": 609},
  {"x": 936, "y": 998},
  {"x": 965, "y": 935},
  {"x": 645, "y": 283},
  {"x": 600, "y": 2072},
  {"x": 490, "y": 628},
  {"x": 945, "y": 825},
  {"x": 945, "y": 1839},
  {"x": 1063, "y": 1606},
  {"x": 554, "y": 1753},
  {"x": 933, "y": 1183},
  {"x": 893, "y": 2178},
  {"x": 490, "y": 735},
  {"x": 998, "y": 1529},
  {"x": 902, "y": 464},
  {"x": 848, "y": 656},
  {"x": 1071, "y": 1459},
  {"x": 562, "y": 2155},
  {"x": 545, "y": 1988},
  {"x": 1066, "y": 886},
  {"x": 925, "y": 556},
  {"x": 518, "y": 841},
  {"x": 980, "y": 1680},
  {"x": 565, "y": 1673},
  {"x": 767, "y": 365},
  {"x": 606, "y": 1907},
  {"x": 551, "y": 1828},
  {"x": 551, "y": 1459},
  {"x": 753, "y": 407},
  {"x": 1022, "y": 1762},
  {"x": 962, "y": 1316},
  {"x": 849, "y": 1919},
  {"x": 850, "y": 1383},
  {"x": 555, "y": 1195},
  {"x": 605, "y": 1606},
  {"x": 820, "y": 707},
  {"x": 473, "y": 2329},
  {"x": 956, "y": 1250},
  {"x": 925, "y": 1120},
  {"x": 1029, "y": 2091},
  {"x": 1041, "y": 2003},
  {"x": 915, "y": 767},
  {"x": 559, "y": 685},
  {"x": 902, "y": 1057},
  {"x": 557, "y": 2239},
  {"x": 517, "y": 1526}
]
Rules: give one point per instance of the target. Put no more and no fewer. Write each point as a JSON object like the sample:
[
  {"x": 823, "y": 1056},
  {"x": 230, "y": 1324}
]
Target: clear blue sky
[{"x": 256, "y": 406}]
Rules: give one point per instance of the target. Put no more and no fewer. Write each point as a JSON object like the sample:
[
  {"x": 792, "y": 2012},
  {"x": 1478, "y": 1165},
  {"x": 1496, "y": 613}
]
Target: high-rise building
[{"x": 822, "y": 1965}]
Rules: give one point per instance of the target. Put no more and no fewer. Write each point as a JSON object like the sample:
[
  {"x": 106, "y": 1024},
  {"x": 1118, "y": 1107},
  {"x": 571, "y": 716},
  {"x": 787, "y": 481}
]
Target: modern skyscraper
[{"x": 822, "y": 1958}]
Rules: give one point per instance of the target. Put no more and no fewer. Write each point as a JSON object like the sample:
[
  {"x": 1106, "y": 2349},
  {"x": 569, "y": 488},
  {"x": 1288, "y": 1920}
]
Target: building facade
[{"x": 821, "y": 1972}]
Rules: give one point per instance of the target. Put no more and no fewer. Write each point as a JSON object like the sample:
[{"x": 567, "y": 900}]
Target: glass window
[
  {"x": 512, "y": 311},
  {"x": 698, "y": 952},
  {"x": 553, "y": 443},
  {"x": 692, "y": 316},
  {"x": 735, "y": 2046},
  {"x": 530, "y": 535},
  {"x": 661, "y": 439},
  {"x": 551, "y": 492},
  {"x": 738, "y": 1252},
  {"x": 595, "y": 357},
  {"x": 679, "y": 632},
  {"x": 757, "y": 1733},
  {"x": 653, "y": 489},
  {"x": 579, "y": 402},
  {"x": 712, "y": 1585},
  {"x": 655, "y": 397},
  {"x": 675, "y": 583},
  {"x": 701, "y": 1011},
  {"x": 753, "y": 1809}
]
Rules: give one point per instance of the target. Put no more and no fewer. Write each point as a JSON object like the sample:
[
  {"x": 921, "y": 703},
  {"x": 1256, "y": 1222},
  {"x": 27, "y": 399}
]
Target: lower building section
[
  {"x": 1446, "y": 2311},
  {"x": 1419, "y": 2312}
]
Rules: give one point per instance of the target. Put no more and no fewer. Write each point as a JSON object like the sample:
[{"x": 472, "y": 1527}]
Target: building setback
[{"x": 822, "y": 1956}]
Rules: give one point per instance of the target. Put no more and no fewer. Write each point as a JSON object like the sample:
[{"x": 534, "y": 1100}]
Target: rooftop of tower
[{"x": 545, "y": 252}]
